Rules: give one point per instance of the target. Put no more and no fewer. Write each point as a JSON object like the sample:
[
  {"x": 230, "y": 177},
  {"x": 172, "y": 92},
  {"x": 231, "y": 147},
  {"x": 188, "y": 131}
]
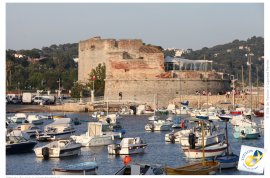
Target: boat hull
[
  {"x": 208, "y": 168},
  {"x": 93, "y": 141},
  {"x": 211, "y": 151},
  {"x": 20, "y": 148},
  {"x": 228, "y": 161},
  {"x": 132, "y": 149},
  {"x": 58, "y": 153}
]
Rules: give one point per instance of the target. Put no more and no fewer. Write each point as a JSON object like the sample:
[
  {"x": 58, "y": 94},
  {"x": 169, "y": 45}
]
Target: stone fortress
[{"x": 136, "y": 72}]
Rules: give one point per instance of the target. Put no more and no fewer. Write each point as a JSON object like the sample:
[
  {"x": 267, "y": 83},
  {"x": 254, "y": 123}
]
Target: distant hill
[
  {"x": 230, "y": 57},
  {"x": 41, "y": 68}
]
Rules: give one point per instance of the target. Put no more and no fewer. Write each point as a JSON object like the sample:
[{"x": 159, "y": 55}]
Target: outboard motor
[
  {"x": 191, "y": 140},
  {"x": 108, "y": 120},
  {"x": 172, "y": 137},
  {"x": 46, "y": 152}
]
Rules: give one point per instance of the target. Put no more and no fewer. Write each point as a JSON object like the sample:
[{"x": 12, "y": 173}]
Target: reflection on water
[{"x": 157, "y": 152}]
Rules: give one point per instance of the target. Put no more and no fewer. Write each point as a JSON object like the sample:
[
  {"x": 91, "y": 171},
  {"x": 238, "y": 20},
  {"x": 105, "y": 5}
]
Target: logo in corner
[{"x": 251, "y": 159}]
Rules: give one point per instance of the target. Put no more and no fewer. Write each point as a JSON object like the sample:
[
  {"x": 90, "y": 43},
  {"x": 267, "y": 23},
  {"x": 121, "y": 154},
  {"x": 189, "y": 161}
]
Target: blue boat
[
  {"x": 86, "y": 168},
  {"x": 202, "y": 117},
  {"x": 228, "y": 161},
  {"x": 18, "y": 144}
]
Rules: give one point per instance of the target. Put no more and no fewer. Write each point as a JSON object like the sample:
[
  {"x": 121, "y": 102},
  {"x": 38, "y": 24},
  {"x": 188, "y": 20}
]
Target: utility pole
[{"x": 59, "y": 85}]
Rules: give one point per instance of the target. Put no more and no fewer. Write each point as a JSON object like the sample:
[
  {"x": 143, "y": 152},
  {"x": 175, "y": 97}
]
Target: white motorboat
[
  {"x": 58, "y": 149},
  {"x": 141, "y": 169},
  {"x": 127, "y": 146},
  {"x": 153, "y": 118},
  {"x": 159, "y": 125},
  {"x": 94, "y": 136},
  {"x": 86, "y": 168},
  {"x": 26, "y": 130},
  {"x": 18, "y": 118},
  {"x": 107, "y": 130},
  {"x": 209, "y": 151},
  {"x": 212, "y": 135},
  {"x": 61, "y": 127},
  {"x": 35, "y": 119}
]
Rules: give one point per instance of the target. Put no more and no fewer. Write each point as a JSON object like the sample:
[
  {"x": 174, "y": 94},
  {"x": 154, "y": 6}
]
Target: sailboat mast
[
  {"x": 180, "y": 88},
  {"x": 250, "y": 83},
  {"x": 242, "y": 78},
  {"x": 227, "y": 139},
  {"x": 257, "y": 88},
  {"x": 203, "y": 155}
]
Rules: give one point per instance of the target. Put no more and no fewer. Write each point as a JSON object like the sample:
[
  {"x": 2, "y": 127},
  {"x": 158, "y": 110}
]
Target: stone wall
[
  {"x": 96, "y": 51},
  {"x": 165, "y": 89}
]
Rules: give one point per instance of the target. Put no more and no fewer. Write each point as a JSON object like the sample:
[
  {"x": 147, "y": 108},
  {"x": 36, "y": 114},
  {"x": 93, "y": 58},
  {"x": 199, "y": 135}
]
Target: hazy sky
[{"x": 169, "y": 25}]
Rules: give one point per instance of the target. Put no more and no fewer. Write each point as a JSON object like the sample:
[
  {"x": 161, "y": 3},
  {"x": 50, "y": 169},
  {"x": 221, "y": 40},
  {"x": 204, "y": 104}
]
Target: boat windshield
[
  {"x": 105, "y": 128},
  {"x": 16, "y": 139}
]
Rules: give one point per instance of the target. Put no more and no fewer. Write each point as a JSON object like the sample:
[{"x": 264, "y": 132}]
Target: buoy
[
  {"x": 127, "y": 160},
  {"x": 182, "y": 124}
]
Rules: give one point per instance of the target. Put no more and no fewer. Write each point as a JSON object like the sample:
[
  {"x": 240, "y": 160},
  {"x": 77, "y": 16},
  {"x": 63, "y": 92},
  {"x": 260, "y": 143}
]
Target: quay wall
[{"x": 164, "y": 90}]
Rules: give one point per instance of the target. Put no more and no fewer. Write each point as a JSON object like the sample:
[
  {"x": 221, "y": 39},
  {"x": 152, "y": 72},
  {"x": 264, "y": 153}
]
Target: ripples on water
[{"x": 157, "y": 152}]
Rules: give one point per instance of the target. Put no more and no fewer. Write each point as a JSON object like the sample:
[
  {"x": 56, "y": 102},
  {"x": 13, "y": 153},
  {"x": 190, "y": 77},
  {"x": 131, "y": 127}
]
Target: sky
[{"x": 178, "y": 25}]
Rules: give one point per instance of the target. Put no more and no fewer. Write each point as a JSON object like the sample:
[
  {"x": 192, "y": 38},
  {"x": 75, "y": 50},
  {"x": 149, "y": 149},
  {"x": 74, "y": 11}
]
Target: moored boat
[
  {"x": 94, "y": 136},
  {"x": 210, "y": 151},
  {"x": 86, "y": 168},
  {"x": 58, "y": 149},
  {"x": 203, "y": 168},
  {"x": 159, "y": 125},
  {"x": 127, "y": 146},
  {"x": 18, "y": 144}
]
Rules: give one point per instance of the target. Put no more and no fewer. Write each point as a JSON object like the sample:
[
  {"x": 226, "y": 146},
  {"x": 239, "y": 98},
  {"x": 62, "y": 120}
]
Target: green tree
[{"x": 99, "y": 73}]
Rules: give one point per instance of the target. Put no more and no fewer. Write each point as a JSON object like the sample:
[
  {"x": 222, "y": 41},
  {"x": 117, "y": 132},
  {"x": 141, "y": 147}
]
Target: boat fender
[
  {"x": 46, "y": 152},
  {"x": 191, "y": 140}
]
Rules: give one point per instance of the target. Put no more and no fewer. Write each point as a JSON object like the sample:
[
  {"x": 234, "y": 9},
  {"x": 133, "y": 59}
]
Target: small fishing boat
[
  {"x": 212, "y": 135},
  {"x": 160, "y": 125},
  {"x": 229, "y": 160},
  {"x": 127, "y": 146},
  {"x": 86, "y": 168},
  {"x": 19, "y": 144},
  {"x": 203, "y": 168},
  {"x": 246, "y": 132},
  {"x": 94, "y": 136},
  {"x": 58, "y": 149},
  {"x": 209, "y": 151}
]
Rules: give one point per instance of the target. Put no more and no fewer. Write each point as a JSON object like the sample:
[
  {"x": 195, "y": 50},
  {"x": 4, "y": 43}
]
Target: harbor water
[{"x": 157, "y": 151}]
